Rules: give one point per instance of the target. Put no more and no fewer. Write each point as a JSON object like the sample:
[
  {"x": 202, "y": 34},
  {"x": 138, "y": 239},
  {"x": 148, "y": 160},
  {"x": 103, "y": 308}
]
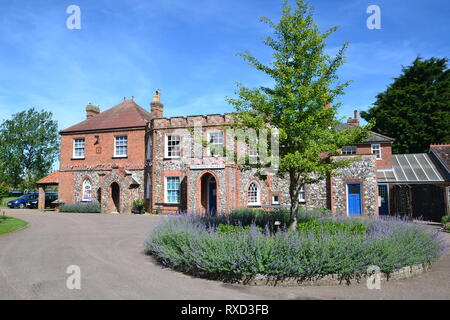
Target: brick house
[
  {"x": 127, "y": 153},
  {"x": 102, "y": 159}
]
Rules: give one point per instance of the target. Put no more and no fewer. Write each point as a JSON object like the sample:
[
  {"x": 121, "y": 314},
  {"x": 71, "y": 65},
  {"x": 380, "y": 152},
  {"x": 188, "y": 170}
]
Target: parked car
[
  {"x": 49, "y": 198},
  {"x": 21, "y": 202}
]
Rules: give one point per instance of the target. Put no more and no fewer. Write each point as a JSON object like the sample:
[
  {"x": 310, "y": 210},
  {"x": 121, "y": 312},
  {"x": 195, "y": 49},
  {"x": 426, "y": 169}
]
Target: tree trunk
[{"x": 293, "y": 193}]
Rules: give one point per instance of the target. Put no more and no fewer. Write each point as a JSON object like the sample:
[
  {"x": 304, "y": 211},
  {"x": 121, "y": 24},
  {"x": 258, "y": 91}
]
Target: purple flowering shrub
[{"x": 196, "y": 243}]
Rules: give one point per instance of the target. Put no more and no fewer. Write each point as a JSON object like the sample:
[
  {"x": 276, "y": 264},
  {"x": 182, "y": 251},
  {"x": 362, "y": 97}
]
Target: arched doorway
[
  {"x": 209, "y": 194},
  {"x": 115, "y": 197}
]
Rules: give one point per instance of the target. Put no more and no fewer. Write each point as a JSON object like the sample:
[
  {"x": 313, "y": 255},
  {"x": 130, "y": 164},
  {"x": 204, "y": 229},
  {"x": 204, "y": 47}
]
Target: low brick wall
[
  {"x": 327, "y": 280},
  {"x": 331, "y": 279}
]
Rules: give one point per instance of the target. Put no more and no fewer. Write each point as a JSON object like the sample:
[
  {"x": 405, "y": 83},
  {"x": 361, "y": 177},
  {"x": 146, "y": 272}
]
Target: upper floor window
[
  {"x": 216, "y": 143},
  {"x": 87, "y": 191},
  {"x": 120, "y": 146},
  {"x": 302, "y": 194},
  {"x": 173, "y": 146},
  {"x": 78, "y": 148},
  {"x": 253, "y": 194},
  {"x": 349, "y": 150},
  {"x": 376, "y": 150},
  {"x": 253, "y": 150},
  {"x": 172, "y": 190}
]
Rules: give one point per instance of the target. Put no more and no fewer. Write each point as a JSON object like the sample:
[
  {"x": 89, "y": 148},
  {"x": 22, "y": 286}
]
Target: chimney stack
[
  {"x": 355, "y": 120},
  {"x": 91, "y": 111},
  {"x": 156, "y": 107}
]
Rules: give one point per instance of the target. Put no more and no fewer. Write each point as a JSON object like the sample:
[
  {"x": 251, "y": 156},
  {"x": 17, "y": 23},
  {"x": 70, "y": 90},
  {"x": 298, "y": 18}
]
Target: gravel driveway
[{"x": 109, "y": 251}]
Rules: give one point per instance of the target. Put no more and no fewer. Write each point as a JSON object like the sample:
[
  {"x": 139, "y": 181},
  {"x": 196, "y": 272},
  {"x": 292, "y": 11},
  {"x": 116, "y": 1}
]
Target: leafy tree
[
  {"x": 305, "y": 81},
  {"x": 29, "y": 146},
  {"x": 415, "y": 108},
  {"x": 4, "y": 191}
]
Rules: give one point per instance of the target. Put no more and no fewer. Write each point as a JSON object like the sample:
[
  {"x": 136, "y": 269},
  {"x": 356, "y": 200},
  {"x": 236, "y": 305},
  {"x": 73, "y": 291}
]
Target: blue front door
[
  {"x": 384, "y": 199},
  {"x": 354, "y": 199},
  {"x": 212, "y": 196}
]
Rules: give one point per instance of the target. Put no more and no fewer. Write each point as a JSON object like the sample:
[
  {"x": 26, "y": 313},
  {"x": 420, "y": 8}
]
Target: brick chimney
[
  {"x": 91, "y": 111},
  {"x": 355, "y": 120},
  {"x": 156, "y": 107}
]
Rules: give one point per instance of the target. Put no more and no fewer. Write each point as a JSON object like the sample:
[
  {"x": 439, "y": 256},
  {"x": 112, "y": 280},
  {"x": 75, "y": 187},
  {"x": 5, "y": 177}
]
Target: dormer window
[
  {"x": 121, "y": 146},
  {"x": 376, "y": 150},
  {"x": 78, "y": 148}
]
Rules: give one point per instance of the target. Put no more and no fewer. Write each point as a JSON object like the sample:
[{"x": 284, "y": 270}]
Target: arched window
[
  {"x": 253, "y": 194},
  {"x": 87, "y": 191}
]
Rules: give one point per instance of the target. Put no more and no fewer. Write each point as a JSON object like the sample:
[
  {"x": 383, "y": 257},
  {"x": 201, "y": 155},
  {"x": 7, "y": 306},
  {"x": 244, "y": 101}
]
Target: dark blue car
[{"x": 21, "y": 202}]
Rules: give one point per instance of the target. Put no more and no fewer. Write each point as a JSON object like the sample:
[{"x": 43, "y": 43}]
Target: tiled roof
[
  {"x": 52, "y": 178},
  {"x": 374, "y": 137},
  {"x": 442, "y": 152},
  {"x": 411, "y": 169},
  {"x": 125, "y": 115}
]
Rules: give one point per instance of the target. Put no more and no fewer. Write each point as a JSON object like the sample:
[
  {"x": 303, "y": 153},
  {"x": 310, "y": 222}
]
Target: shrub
[
  {"x": 332, "y": 227},
  {"x": 445, "y": 220},
  {"x": 81, "y": 207},
  {"x": 323, "y": 245}
]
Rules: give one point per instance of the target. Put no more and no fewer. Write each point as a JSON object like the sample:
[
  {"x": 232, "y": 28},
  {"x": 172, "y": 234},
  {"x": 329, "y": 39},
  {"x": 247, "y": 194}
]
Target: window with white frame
[
  {"x": 173, "y": 146},
  {"x": 216, "y": 142},
  {"x": 302, "y": 194},
  {"x": 275, "y": 199},
  {"x": 349, "y": 150},
  {"x": 87, "y": 191},
  {"x": 172, "y": 190},
  {"x": 376, "y": 150},
  {"x": 121, "y": 146},
  {"x": 253, "y": 150},
  {"x": 78, "y": 148},
  {"x": 253, "y": 194}
]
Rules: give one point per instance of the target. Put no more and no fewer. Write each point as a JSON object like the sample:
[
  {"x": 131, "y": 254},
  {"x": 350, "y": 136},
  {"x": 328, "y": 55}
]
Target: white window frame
[
  {"x": 115, "y": 147},
  {"x": 302, "y": 194},
  {"x": 75, "y": 147},
  {"x": 166, "y": 143},
  {"x": 221, "y": 146},
  {"x": 377, "y": 155},
  {"x": 273, "y": 199},
  {"x": 253, "y": 152},
  {"x": 258, "y": 195},
  {"x": 84, "y": 198},
  {"x": 166, "y": 191}
]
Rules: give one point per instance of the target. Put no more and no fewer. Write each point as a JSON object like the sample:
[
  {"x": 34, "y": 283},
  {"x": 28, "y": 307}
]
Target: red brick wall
[
  {"x": 103, "y": 152},
  {"x": 97, "y": 158},
  {"x": 386, "y": 154},
  {"x": 65, "y": 187}
]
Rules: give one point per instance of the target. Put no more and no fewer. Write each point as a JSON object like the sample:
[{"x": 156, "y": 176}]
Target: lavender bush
[{"x": 194, "y": 243}]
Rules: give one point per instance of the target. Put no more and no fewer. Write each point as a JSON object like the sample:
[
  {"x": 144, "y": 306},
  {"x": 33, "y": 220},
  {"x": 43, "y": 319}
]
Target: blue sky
[{"x": 187, "y": 48}]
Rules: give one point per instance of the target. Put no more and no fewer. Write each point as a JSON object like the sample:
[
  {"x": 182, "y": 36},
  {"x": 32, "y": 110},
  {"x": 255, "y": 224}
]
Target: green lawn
[
  {"x": 4, "y": 201},
  {"x": 10, "y": 224}
]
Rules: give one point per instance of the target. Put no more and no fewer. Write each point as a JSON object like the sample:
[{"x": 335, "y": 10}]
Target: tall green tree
[
  {"x": 415, "y": 108},
  {"x": 29, "y": 146},
  {"x": 305, "y": 81}
]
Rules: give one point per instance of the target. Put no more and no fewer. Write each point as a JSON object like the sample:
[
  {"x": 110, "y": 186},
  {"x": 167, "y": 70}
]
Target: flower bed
[
  {"x": 81, "y": 207},
  {"x": 249, "y": 244}
]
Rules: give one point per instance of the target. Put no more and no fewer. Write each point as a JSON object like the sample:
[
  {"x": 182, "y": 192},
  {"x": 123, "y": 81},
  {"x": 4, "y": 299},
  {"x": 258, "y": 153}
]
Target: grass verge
[{"x": 10, "y": 224}]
